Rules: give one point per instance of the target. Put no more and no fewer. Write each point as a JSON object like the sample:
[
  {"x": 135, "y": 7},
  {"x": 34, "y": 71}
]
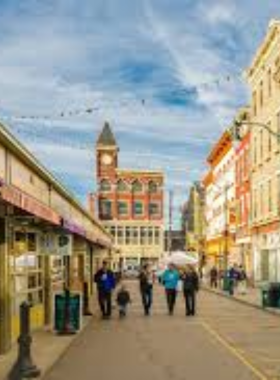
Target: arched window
[
  {"x": 122, "y": 186},
  {"x": 105, "y": 185},
  {"x": 137, "y": 186},
  {"x": 153, "y": 187}
]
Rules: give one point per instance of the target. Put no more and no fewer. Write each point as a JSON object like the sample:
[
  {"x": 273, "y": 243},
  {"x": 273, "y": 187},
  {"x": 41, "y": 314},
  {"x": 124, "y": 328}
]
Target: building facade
[
  {"x": 220, "y": 203},
  {"x": 48, "y": 240},
  {"x": 263, "y": 77},
  {"x": 243, "y": 197},
  {"x": 193, "y": 219},
  {"x": 130, "y": 205}
]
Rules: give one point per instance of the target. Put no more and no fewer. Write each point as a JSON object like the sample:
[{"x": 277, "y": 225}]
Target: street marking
[{"x": 233, "y": 350}]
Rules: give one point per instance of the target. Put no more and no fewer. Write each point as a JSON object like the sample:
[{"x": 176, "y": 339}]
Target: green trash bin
[
  {"x": 265, "y": 297},
  {"x": 226, "y": 284}
]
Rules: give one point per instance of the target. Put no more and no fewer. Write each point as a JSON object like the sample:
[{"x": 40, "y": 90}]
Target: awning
[{"x": 29, "y": 204}]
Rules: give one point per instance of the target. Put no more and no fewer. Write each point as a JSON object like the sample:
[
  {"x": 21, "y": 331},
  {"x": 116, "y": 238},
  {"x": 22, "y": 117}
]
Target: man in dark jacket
[
  {"x": 105, "y": 282},
  {"x": 190, "y": 287},
  {"x": 146, "y": 288}
]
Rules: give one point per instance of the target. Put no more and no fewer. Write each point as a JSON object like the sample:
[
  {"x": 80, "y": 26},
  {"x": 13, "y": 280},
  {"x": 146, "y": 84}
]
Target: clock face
[{"x": 106, "y": 159}]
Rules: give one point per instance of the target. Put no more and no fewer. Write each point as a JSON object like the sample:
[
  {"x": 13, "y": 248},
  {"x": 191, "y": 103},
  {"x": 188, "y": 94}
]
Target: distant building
[
  {"x": 174, "y": 241},
  {"x": 193, "y": 219},
  {"x": 130, "y": 204}
]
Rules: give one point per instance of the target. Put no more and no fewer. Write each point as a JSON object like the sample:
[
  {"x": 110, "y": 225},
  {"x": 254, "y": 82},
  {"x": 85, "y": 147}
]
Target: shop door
[{"x": 265, "y": 265}]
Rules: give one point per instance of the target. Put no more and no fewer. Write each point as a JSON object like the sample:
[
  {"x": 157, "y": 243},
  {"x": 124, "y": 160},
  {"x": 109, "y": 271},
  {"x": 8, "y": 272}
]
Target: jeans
[
  {"x": 147, "y": 298},
  {"x": 171, "y": 295},
  {"x": 190, "y": 301},
  {"x": 105, "y": 302}
]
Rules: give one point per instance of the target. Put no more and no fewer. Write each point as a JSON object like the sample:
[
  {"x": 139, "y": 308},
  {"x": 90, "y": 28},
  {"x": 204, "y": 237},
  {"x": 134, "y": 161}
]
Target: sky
[{"x": 166, "y": 74}]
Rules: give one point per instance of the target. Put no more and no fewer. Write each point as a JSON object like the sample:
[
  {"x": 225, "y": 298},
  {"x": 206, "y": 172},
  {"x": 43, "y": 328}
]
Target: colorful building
[
  {"x": 263, "y": 77},
  {"x": 220, "y": 203},
  {"x": 243, "y": 197},
  {"x": 130, "y": 205},
  {"x": 48, "y": 240}
]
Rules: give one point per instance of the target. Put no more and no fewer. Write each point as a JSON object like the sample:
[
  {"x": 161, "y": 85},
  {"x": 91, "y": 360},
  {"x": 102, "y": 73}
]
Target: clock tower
[{"x": 106, "y": 154}]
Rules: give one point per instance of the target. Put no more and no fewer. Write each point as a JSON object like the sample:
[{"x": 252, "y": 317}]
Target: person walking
[
  {"x": 123, "y": 299},
  {"x": 170, "y": 281},
  {"x": 146, "y": 279},
  {"x": 105, "y": 282},
  {"x": 214, "y": 277},
  {"x": 190, "y": 287}
]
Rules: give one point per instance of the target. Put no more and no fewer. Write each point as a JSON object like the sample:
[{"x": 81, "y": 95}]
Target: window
[
  {"x": 261, "y": 94},
  {"x": 261, "y": 202},
  {"x": 122, "y": 208},
  {"x": 137, "y": 187},
  {"x": 105, "y": 185},
  {"x": 269, "y": 196},
  {"x": 269, "y": 82},
  {"x": 138, "y": 208},
  {"x": 153, "y": 187},
  {"x": 261, "y": 146},
  {"x": 153, "y": 209},
  {"x": 143, "y": 235},
  {"x": 135, "y": 235},
  {"x": 255, "y": 150},
  {"x": 122, "y": 186},
  {"x": 150, "y": 236},
  {"x": 127, "y": 235},
  {"x": 255, "y": 103},
  {"x": 105, "y": 209},
  {"x": 120, "y": 235},
  {"x": 157, "y": 236},
  {"x": 269, "y": 139},
  {"x": 255, "y": 205}
]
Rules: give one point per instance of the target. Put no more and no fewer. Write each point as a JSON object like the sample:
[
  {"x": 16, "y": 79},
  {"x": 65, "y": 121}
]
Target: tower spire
[{"x": 106, "y": 137}]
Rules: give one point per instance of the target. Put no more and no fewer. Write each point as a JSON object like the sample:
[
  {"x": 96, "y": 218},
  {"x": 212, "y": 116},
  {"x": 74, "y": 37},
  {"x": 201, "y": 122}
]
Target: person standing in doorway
[
  {"x": 190, "y": 286},
  {"x": 214, "y": 277},
  {"x": 146, "y": 288},
  {"x": 105, "y": 282},
  {"x": 170, "y": 281}
]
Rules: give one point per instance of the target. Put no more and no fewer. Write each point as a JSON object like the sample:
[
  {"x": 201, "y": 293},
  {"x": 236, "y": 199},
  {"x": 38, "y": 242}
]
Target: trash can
[
  {"x": 271, "y": 295},
  {"x": 274, "y": 294},
  {"x": 226, "y": 284}
]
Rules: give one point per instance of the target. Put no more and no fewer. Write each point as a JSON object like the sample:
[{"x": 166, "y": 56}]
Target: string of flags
[{"x": 89, "y": 110}]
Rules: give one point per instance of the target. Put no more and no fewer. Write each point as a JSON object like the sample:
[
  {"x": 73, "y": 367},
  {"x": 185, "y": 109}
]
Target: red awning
[{"x": 27, "y": 203}]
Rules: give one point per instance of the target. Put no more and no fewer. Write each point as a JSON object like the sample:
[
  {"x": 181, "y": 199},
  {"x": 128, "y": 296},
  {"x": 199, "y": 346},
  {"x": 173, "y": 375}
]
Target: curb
[{"x": 243, "y": 302}]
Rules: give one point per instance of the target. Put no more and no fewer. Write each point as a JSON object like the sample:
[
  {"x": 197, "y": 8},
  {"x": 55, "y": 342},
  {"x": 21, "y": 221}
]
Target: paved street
[{"x": 226, "y": 340}]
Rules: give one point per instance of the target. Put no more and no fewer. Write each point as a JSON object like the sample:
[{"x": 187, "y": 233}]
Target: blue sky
[{"x": 111, "y": 54}]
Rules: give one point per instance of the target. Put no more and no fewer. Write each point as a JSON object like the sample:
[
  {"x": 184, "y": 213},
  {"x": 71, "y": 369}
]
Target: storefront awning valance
[{"x": 18, "y": 198}]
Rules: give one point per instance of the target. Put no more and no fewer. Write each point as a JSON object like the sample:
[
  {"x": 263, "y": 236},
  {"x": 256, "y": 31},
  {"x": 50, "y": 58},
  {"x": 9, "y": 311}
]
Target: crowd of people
[
  {"x": 235, "y": 278},
  {"x": 170, "y": 280}
]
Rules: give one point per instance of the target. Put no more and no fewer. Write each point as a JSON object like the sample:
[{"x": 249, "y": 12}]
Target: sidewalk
[
  {"x": 47, "y": 348},
  {"x": 251, "y": 298}
]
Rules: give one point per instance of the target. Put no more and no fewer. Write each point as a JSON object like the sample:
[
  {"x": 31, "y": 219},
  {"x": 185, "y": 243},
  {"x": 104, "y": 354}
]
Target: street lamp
[{"x": 235, "y": 131}]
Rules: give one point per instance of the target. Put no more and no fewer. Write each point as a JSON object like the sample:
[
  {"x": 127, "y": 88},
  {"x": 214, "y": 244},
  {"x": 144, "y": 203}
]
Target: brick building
[{"x": 130, "y": 204}]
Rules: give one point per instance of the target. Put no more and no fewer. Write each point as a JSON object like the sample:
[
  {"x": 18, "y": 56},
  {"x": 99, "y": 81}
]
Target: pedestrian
[
  {"x": 170, "y": 281},
  {"x": 190, "y": 287},
  {"x": 214, "y": 277},
  {"x": 123, "y": 299},
  {"x": 242, "y": 280},
  {"x": 146, "y": 279},
  {"x": 105, "y": 282},
  {"x": 232, "y": 275}
]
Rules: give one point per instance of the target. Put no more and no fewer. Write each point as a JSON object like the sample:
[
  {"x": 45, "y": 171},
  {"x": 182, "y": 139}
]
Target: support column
[{"x": 5, "y": 286}]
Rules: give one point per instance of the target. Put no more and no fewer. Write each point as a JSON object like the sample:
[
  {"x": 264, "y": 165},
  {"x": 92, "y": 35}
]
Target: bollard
[
  {"x": 86, "y": 310},
  {"x": 24, "y": 366},
  {"x": 68, "y": 328}
]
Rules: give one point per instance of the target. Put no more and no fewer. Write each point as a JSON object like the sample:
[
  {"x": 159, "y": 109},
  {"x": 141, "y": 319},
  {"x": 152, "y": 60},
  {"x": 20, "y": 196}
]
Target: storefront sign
[
  {"x": 25, "y": 202},
  {"x": 73, "y": 227}
]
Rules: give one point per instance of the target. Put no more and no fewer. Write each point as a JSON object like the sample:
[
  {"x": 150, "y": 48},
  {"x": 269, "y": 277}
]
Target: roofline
[
  {"x": 132, "y": 171},
  {"x": 273, "y": 28},
  {"x": 11, "y": 142}
]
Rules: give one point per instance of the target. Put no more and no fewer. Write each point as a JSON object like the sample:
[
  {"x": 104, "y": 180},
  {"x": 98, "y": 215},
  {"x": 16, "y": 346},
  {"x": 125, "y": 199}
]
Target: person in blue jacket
[
  {"x": 105, "y": 282},
  {"x": 170, "y": 279}
]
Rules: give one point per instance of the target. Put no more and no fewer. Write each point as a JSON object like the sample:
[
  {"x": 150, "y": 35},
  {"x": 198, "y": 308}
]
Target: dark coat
[
  {"x": 144, "y": 280},
  {"x": 190, "y": 282},
  {"x": 123, "y": 297}
]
